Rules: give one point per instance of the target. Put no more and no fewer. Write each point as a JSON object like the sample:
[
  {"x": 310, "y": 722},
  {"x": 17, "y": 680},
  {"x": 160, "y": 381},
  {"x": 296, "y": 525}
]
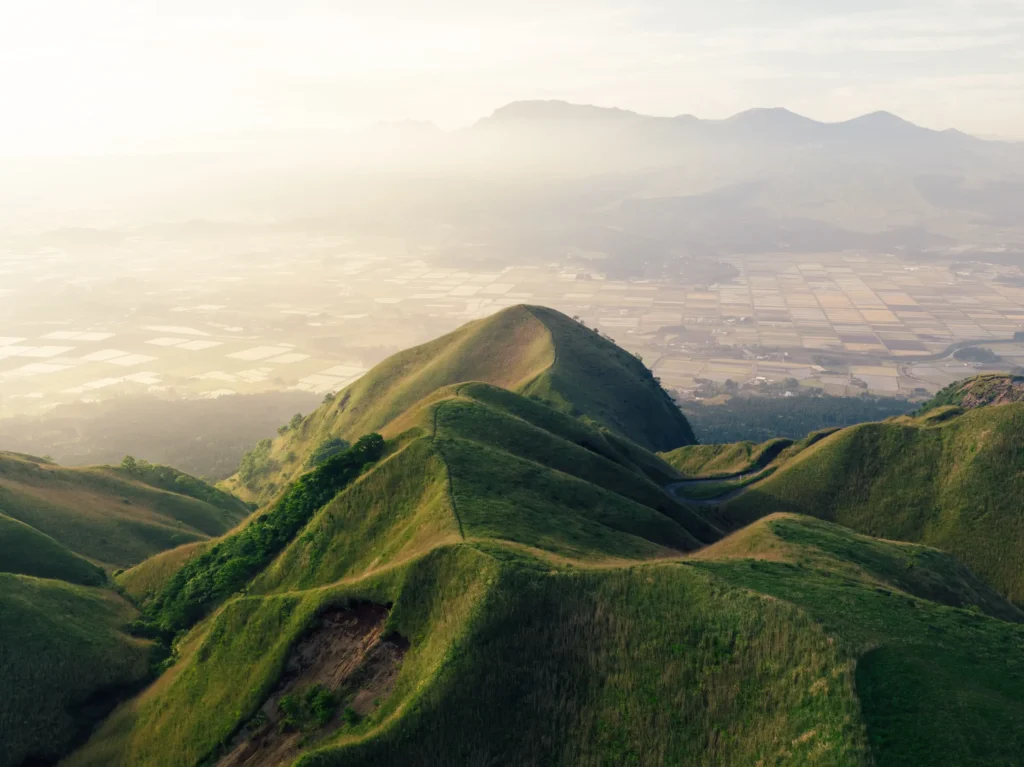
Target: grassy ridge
[
  {"x": 525, "y": 349},
  {"x": 105, "y": 516},
  {"x": 146, "y": 579},
  {"x": 229, "y": 663},
  {"x": 208, "y": 578},
  {"x": 950, "y": 483},
  {"x": 937, "y": 685},
  {"x": 61, "y": 653},
  {"x": 593, "y": 378},
  {"x": 26, "y": 551},
  {"x": 719, "y": 461},
  {"x": 558, "y": 608},
  {"x": 651, "y": 665}
]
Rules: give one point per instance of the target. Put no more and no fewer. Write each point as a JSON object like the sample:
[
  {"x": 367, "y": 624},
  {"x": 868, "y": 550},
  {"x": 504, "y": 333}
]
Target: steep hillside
[
  {"x": 502, "y": 583},
  {"x": 531, "y": 350},
  {"x": 952, "y": 479},
  {"x": 64, "y": 663},
  {"x": 149, "y": 576},
  {"x": 110, "y": 516}
]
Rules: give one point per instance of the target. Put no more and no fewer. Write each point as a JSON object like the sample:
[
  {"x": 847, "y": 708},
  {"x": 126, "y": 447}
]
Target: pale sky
[{"x": 152, "y": 75}]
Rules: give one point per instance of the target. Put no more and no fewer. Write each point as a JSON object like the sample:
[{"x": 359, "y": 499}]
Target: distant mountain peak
[
  {"x": 882, "y": 119},
  {"x": 556, "y": 110},
  {"x": 778, "y": 114}
]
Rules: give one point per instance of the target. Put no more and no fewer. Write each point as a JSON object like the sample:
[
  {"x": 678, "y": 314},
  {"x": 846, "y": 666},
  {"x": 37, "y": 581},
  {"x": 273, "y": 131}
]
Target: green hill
[
  {"x": 502, "y": 582},
  {"x": 26, "y": 551},
  {"x": 531, "y": 350},
  {"x": 949, "y": 479},
  {"x": 110, "y": 516},
  {"x": 495, "y": 653},
  {"x": 504, "y": 577},
  {"x": 64, "y": 662}
]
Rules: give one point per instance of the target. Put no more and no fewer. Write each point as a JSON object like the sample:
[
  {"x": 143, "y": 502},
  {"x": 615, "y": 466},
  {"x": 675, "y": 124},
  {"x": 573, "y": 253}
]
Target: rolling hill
[
  {"x": 110, "y": 516},
  {"x": 66, "y": 654},
  {"x": 502, "y": 581},
  {"x": 26, "y": 551},
  {"x": 950, "y": 478},
  {"x": 532, "y": 350},
  {"x": 65, "y": 661}
]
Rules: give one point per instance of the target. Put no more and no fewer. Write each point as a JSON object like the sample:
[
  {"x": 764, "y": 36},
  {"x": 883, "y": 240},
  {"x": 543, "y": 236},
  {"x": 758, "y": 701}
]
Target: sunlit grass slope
[
  {"x": 531, "y": 350},
  {"x": 558, "y": 609},
  {"x": 518, "y": 657},
  {"x": 26, "y": 551},
  {"x": 954, "y": 482},
  {"x": 107, "y": 515},
  {"x": 62, "y": 653},
  {"x": 478, "y": 462},
  {"x": 937, "y": 685},
  {"x": 151, "y": 575}
]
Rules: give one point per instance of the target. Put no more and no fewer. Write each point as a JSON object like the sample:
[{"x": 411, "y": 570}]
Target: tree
[
  {"x": 296, "y": 421},
  {"x": 129, "y": 464}
]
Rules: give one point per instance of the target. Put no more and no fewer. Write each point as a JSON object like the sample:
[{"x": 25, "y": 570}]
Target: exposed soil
[
  {"x": 346, "y": 653},
  {"x": 1000, "y": 391}
]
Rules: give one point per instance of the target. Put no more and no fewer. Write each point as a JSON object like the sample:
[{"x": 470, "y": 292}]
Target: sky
[{"x": 112, "y": 76}]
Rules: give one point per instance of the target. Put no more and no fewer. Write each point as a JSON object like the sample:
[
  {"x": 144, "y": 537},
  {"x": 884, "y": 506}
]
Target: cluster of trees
[
  {"x": 214, "y": 575},
  {"x": 762, "y": 418},
  {"x": 327, "y": 448},
  {"x": 294, "y": 423},
  {"x": 256, "y": 462},
  {"x": 976, "y": 354}
]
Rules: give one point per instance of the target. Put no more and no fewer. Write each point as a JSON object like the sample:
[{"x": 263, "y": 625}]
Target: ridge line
[{"x": 447, "y": 466}]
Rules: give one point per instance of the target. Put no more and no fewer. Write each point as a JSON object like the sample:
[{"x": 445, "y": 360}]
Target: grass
[
  {"x": 146, "y": 579},
  {"x": 559, "y": 609},
  {"x": 212, "y": 575},
  {"x": 954, "y": 484},
  {"x": 27, "y": 551},
  {"x": 63, "y": 658},
  {"x": 105, "y": 516},
  {"x": 723, "y": 461},
  {"x": 530, "y": 350},
  {"x": 650, "y": 665},
  {"x": 937, "y": 685}
]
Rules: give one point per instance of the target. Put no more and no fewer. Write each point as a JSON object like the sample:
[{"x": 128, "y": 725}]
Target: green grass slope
[
  {"x": 481, "y": 463},
  {"x": 26, "y": 551},
  {"x": 109, "y": 516},
  {"x": 521, "y": 659},
  {"x": 937, "y": 685},
  {"x": 526, "y": 349},
  {"x": 151, "y": 575},
  {"x": 63, "y": 657},
  {"x": 954, "y": 483},
  {"x": 719, "y": 461},
  {"x": 552, "y": 605}
]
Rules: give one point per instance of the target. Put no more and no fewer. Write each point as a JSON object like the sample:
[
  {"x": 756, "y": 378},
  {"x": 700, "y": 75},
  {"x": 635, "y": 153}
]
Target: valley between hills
[{"x": 505, "y": 547}]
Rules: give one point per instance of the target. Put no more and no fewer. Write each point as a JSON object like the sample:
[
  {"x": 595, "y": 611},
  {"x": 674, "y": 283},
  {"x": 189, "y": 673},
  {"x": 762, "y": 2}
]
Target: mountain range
[{"x": 504, "y": 547}]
